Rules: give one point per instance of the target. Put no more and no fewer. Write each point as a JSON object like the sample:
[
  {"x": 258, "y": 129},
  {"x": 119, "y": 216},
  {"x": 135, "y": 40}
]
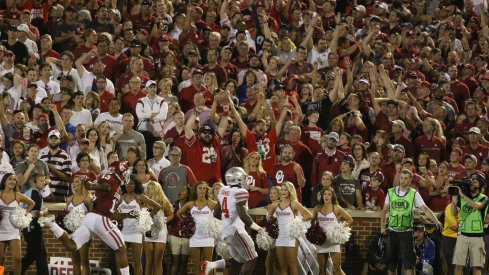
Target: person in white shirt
[
  {"x": 5, "y": 167},
  {"x": 159, "y": 162},
  {"x": 33, "y": 77},
  {"x": 86, "y": 77},
  {"x": 7, "y": 65},
  {"x": 80, "y": 114},
  {"x": 51, "y": 87},
  {"x": 151, "y": 111},
  {"x": 65, "y": 69},
  {"x": 113, "y": 116},
  {"x": 22, "y": 31},
  {"x": 12, "y": 85},
  {"x": 232, "y": 206}
]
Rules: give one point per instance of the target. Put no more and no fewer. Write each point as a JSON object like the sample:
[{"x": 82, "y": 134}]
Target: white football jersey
[{"x": 228, "y": 197}]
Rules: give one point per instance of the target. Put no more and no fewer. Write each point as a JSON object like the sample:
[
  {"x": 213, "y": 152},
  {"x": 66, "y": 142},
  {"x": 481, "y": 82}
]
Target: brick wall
[{"x": 365, "y": 226}]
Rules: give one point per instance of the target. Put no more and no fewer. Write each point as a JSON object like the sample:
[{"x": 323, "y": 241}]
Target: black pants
[
  {"x": 400, "y": 250},
  {"x": 35, "y": 250}
]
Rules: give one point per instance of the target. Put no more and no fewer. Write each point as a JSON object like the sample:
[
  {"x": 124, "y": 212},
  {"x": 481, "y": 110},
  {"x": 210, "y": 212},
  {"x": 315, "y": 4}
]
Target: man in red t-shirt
[
  {"x": 475, "y": 147},
  {"x": 186, "y": 96},
  {"x": 202, "y": 151},
  {"x": 259, "y": 140},
  {"x": 289, "y": 170}
]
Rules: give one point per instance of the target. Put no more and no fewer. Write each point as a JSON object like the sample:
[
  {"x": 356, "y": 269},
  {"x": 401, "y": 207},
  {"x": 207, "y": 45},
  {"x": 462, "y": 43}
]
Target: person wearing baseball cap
[
  {"x": 186, "y": 96},
  {"x": 328, "y": 159},
  {"x": 374, "y": 195},
  {"x": 425, "y": 249},
  {"x": 348, "y": 189},
  {"x": 202, "y": 150},
  {"x": 471, "y": 205},
  {"x": 58, "y": 161},
  {"x": 151, "y": 111},
  {"x": 474, "y": 146}
]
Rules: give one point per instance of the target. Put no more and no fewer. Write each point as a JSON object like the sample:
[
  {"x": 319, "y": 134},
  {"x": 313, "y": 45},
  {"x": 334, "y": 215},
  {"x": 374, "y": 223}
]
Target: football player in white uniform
[{"x": 232, "y": 209}]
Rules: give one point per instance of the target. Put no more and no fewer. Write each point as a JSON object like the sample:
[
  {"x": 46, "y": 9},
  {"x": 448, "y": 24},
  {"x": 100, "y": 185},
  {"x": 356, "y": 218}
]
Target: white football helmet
[{"x": 235, "y": 176}]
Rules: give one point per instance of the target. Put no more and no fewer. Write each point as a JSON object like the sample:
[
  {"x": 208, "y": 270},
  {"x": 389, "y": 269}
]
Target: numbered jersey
[
  {"x": 105, "y": 201},
  {"x": 204, "y": 160},
  {"x": 228, "y": 197}
]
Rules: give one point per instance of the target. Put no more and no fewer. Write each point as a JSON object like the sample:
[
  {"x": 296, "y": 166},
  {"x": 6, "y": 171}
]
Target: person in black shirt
[{"x": 35, "y": 248}]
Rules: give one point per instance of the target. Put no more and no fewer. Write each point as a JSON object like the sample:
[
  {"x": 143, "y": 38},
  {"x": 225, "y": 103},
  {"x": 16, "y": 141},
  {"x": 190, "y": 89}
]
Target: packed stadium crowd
[{"x": 191, "y": 110}]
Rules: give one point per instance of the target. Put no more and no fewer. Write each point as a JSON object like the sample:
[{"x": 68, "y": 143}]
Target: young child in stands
[{"x": 374, "y": 195}]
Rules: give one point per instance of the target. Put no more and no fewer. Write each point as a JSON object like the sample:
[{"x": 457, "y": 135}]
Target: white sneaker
[{"x": 46, "y": 221}]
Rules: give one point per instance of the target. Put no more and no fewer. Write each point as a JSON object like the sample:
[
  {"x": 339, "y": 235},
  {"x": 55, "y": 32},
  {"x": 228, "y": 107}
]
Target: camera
[{"x": 463, "y": 184}]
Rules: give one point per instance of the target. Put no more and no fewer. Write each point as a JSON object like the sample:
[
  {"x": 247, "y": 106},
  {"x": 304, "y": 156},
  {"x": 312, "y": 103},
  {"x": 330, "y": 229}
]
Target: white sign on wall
[{"x": 64, "y": 266}]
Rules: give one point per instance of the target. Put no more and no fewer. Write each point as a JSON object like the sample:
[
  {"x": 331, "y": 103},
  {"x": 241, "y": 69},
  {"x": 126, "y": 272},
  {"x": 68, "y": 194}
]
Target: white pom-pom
[
  {"x": 20, "y": 218},
  {"x": 144, "y": 221},
  {"x": 296, "y": 227},
  {"x": 338, "y": 233},
  {"x": 74, "y": 219},
  {"x": 159, "y": 225},
  {"x": 264, "y": 241},
  {"x": 212, "y": 227},
  {"x": 222, "y": 250}
]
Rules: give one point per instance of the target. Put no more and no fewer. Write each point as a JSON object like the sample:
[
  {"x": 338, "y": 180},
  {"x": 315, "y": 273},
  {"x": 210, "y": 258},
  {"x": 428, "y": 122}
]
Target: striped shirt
[{"x": 62, "y": 162}]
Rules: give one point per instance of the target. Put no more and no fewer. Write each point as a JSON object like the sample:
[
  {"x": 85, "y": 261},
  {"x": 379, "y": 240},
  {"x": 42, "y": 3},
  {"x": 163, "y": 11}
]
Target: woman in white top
[
  {"x": 10, "y": 199},
  {"x": 285, "y": 210},
  {"x": 95, "y": 150},
  {"x": 327, "y": 214},
  {"x": 127, "y": 210},
  {"x": 104, "y": 139},
  {"x": 82, "y": 199},
  {"x": 154, "y": 245},
  {"x": 201, "y": 208}
]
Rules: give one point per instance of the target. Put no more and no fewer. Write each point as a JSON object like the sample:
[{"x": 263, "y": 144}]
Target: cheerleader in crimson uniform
[
  {"x": 178, "y": 244},
  {"x": 201, "y": 209},
  {"x": 127, "y": 210},
  {"x": 83, "y": 200},
  {"x": 285, "y": 211},
  {"x": 327, "y": 214},
  {"x": 10, "y": 199},
  {"x": 155, "y": 242}
]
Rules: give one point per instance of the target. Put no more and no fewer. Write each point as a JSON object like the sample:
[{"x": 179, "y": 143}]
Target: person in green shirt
[
  {"x": 473, "y": 211},
  {"x": 399, "y": 206}
]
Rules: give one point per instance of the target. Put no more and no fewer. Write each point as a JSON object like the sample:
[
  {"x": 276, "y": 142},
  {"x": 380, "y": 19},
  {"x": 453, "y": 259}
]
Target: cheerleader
[
  {"x": 178, "y": 245},
  {"x": 154, "y": 246},
  {"x": 201, "y": 208},
  {"x": 271, "y": 260},
  {"x": 326, "y": 214},
  {"x": 10, "y": 199},
  {"x": 285, "y": 211},
  {"x": 127, "y": 210},
  {"x": 83, "y": 200}
]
